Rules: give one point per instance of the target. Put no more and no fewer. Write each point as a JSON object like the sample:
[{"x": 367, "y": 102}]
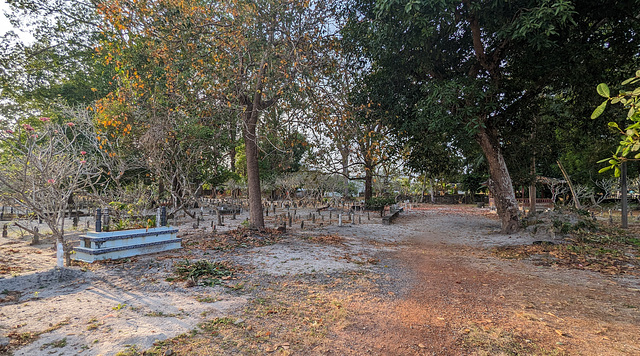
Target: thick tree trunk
[
  {"x": 160, "y": 190},
  {"x": 500, "y": 181},
  {"x": 256, "y": 219},
  {"x": 368, "y": 184}
]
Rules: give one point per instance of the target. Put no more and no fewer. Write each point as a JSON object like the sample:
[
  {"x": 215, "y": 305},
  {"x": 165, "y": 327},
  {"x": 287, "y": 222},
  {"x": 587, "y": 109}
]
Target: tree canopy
[{"x": 475, "y": 70}]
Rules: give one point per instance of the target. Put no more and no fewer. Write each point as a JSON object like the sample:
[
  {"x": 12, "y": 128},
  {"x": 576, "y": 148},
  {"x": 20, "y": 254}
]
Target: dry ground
[{"x": 434, "y": 282}]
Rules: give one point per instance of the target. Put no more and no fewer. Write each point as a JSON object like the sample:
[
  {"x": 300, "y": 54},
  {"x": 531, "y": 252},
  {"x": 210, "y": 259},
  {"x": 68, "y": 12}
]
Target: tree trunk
[
  {"x": 232, "y": 152},
  {"x": 256, "y": 219},
  {"x": 576, "y": 199},
  {"x": 345, "y": 171},
  {"x": 532, "y": 188},
  {"x": 432, "y": 185},
  {"x": 500, "y": 181},
  {"x": 160, "y": 190},
  {"x": 368, "y": 183},
  {"x": 424, "y": 186}
]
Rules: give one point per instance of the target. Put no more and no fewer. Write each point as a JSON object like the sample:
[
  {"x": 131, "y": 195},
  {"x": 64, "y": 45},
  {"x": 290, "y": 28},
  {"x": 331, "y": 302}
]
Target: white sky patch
[{"x": 5, "y": 25}]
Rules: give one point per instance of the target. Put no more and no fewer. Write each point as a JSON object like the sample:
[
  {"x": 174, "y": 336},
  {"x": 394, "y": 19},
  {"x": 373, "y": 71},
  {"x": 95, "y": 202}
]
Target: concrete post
[{"x": 98, "y": 220}]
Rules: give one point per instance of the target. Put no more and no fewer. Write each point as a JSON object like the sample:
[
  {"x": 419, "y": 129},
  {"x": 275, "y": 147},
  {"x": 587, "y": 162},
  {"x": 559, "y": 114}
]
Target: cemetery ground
[{"x": 439, "y": 280}]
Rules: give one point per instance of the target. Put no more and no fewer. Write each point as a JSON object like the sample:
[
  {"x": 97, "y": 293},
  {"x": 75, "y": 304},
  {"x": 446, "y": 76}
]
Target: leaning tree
[{"x": 471, "y": 69}]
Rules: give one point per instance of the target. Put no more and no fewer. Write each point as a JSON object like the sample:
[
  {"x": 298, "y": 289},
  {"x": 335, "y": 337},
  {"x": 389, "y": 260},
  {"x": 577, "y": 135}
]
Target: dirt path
[
  {"x": 449, "y": 295},
  {"x": 428, "y": 284}
]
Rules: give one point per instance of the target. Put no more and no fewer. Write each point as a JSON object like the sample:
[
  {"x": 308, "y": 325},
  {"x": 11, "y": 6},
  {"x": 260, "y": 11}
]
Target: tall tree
[
  {"x": 243, "y": 55},
  {"x": 478, "y": 65},
  {"x": 56, "y": 62}
]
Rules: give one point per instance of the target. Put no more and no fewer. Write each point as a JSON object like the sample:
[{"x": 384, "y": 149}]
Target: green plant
[
  {"x": 206, "y": 299},
  {"x": 120, "y": 306},
  {"x": 203, "y": 272},
  {"x": 161, "y": 314},
  {"x": 379, "y": 202},
  {"x": 630, "y": 141},
  {"x": 236, "y": 287},
  {"x": 122, "y": 224},
  {"x": 216, "y": 323},
  {"x": 131, "y": 350},
  {"x": 57, "y": 344}
]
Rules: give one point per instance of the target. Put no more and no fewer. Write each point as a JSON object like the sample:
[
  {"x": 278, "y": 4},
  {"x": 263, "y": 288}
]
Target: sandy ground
[{"x": 432, "y": 287}]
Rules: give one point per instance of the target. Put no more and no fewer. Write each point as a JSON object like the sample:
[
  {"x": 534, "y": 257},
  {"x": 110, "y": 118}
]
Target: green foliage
[
  {"x": 130, "y": 350},
  {"x": 472, "y": 182},
  {"x": 526, "y": 85},
  {"x": 57, "y": 63},
  {"x": 377, "y": 203},
  {"x": 120, "y": 306},
  {"x": 217, "y": 323},
  {"x": 202, "y": 272},
  {"x": 630, "y": 135}
]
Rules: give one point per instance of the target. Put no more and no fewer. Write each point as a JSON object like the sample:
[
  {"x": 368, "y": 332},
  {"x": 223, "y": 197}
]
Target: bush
[{"x": 378, "y": 203}]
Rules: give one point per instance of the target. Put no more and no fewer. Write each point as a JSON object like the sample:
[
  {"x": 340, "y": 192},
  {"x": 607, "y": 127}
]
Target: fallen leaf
[{"x": 560, "y": 332}]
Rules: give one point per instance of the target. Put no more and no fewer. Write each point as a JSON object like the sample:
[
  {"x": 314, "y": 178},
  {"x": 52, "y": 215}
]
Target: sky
[{"x": 5, "y": 26}]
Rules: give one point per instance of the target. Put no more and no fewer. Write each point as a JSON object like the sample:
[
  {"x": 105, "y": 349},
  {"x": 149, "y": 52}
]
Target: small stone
[
  {"x": 4, "y": 342},
  {"x": 168, "y": 352}
]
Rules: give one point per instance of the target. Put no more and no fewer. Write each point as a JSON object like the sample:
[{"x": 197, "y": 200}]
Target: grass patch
[
  {"x": 93, "y": 324},
  {"x": 161, "y": 314},
  {"x": 17, "y": 339},
  {"x": 130, "y": 350},
  {"x": 57, "y": 344},
  {"x": 216, "y": 324},
  {"x": 206, "y": 299},
  {"x": 488, "y": 341}
]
